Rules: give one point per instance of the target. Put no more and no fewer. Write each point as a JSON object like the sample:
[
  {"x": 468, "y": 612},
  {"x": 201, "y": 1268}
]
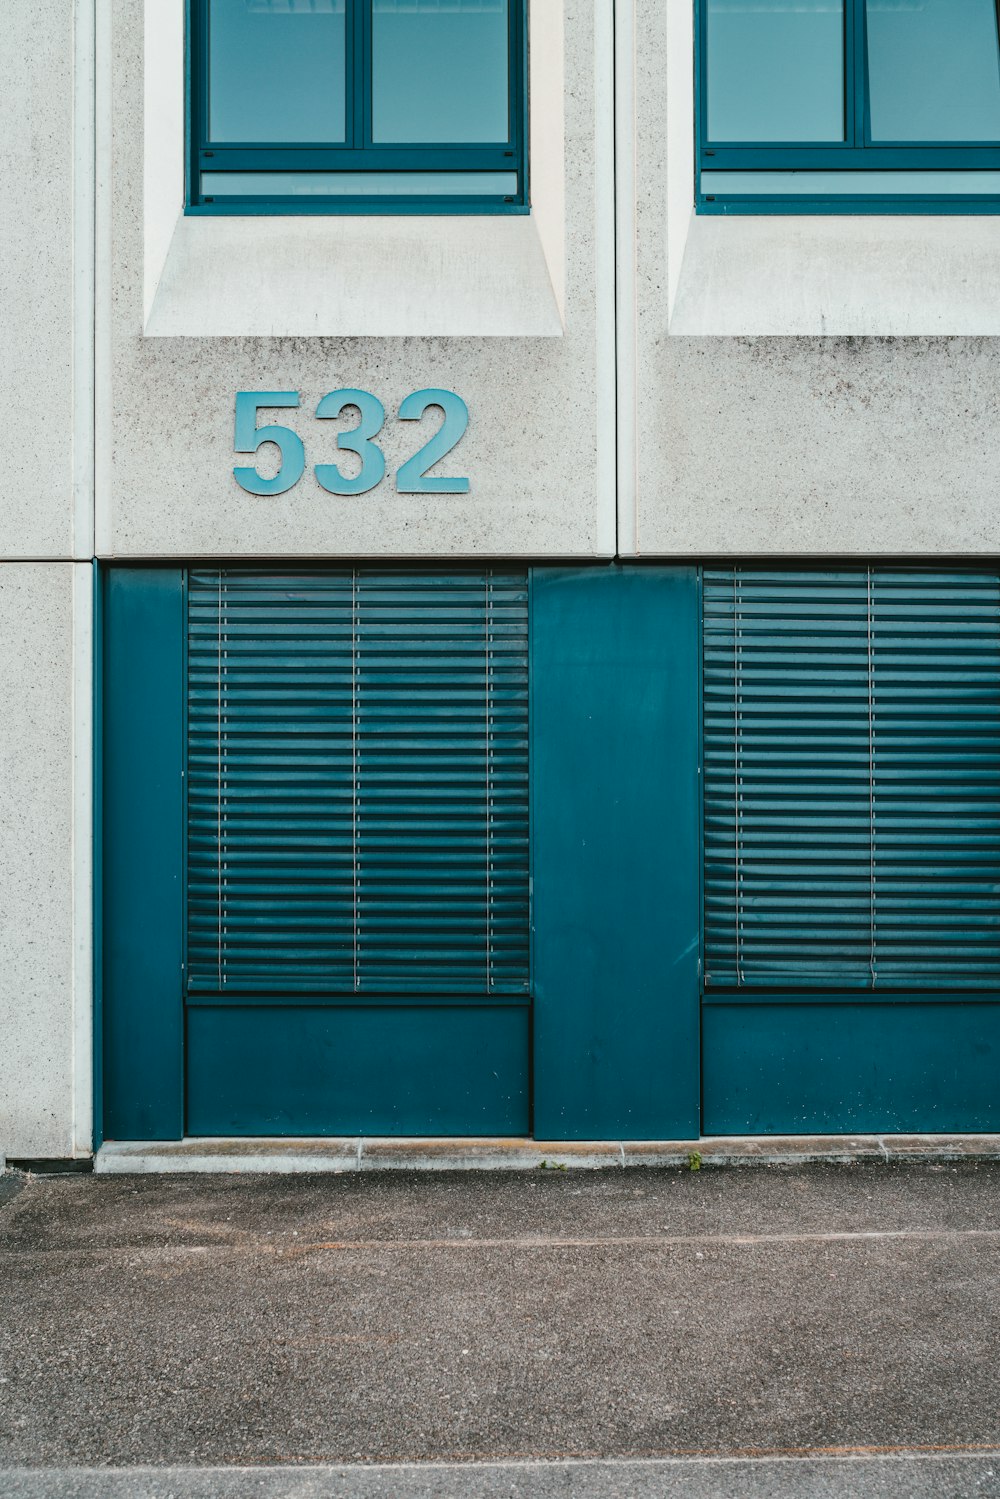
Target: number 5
[{"x": 249, "y": 438}]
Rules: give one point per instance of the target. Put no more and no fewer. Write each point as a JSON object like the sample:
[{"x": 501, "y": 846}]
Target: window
[
  {"x": 839, "y": 106},
  {"x": 852, "y": 779},
  {"x": 357, "y": 782},
  {"x": 331, "y": 106}
]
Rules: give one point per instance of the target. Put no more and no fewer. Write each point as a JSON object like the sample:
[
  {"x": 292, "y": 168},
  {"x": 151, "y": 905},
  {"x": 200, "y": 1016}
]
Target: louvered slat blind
[
  {"x": 852, "y": 778},
  {"x": 358, "y": 782}
]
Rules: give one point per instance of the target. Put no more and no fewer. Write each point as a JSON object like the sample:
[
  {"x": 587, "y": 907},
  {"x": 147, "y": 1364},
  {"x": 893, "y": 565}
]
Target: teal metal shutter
[
  {"x": 852, "y": 778},
  {"x": 358, "y": 782}
]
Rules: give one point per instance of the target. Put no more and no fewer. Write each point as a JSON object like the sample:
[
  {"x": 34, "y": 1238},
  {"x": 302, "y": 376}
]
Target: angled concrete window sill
[
  {"x": 350, "y": 276},
  {"x": 354, "y": 277},
  {"x": 892, "y": 276}
]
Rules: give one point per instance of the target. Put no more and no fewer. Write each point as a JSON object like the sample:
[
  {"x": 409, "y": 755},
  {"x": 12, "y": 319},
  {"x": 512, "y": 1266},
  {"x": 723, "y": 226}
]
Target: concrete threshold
[{"x": 371, "y": 1153}]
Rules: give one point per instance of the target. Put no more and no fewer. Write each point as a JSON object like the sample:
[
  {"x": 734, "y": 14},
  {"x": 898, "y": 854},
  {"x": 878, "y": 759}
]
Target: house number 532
[{"x": 411, "y": 478}]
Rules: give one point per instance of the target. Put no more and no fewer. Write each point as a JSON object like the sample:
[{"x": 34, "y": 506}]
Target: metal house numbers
[{"x": 412, "y": 477}]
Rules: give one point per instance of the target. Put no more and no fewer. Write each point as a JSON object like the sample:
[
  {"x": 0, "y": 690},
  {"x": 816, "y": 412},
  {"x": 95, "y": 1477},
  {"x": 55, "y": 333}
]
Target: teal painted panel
[
  {"x": 143, "y": 804},
  {"x": 378, "y": 1071},
  {"x": 851, "y": 1068},
  {"x": 750, "y": 997},
  {"x": 97, "y": 782},
  {"x": 615, "y": 808}
]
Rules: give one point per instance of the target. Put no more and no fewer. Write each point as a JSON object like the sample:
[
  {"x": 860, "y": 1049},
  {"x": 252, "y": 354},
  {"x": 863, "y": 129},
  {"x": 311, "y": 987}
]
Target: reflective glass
[
  {"x": 775, "y": 70},
  {"x": 440, "y": 71},
  {"x": 277, "y": 71},
  {"x": 853, "y": 184},
  {"x": 358, "y": 184},
  {"x": 934, "y": 70}
]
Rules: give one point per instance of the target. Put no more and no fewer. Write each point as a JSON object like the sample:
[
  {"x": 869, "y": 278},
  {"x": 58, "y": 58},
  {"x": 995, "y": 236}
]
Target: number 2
[{"x": 412, "y": 476}]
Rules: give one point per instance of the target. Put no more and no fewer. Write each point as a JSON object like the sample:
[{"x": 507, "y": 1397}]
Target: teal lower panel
[
  {"x": 851, "y": 1068},
  {"x": 357, "y": 1071},
  {"x": 615, "y": 814}
]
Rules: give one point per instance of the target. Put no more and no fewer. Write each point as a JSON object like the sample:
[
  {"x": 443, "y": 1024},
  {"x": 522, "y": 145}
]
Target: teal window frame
[
  {"x": 855, "y": 153},
  {"x": 358, "y": 153}
]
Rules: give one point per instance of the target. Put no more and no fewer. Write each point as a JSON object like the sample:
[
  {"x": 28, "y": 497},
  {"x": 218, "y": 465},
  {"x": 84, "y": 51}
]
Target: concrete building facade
[{"x": 662, "y": 402}]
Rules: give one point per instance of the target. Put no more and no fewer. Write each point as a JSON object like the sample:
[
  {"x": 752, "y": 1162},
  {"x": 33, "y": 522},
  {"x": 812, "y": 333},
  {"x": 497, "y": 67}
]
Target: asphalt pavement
[{"x": 763, "y": 1331}]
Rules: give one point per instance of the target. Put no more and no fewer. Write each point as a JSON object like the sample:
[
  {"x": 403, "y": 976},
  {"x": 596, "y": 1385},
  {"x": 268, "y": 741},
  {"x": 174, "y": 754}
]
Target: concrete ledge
[
  {"x": 355, "y": 277},
  {"x": 884, "y": 276},
  {"x": 363, "y": 1153}
]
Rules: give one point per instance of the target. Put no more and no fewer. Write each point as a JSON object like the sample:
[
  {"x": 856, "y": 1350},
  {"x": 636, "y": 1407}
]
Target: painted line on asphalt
[
  {"x": 649, "y": 1458},
  {"x": 537, "y": 1242},
  {"x": 651, "y": 1241}
]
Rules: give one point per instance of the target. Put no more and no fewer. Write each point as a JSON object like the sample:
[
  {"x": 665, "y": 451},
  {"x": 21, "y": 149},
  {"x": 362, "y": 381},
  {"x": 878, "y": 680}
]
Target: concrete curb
[{"x": 142, "y": 1157}]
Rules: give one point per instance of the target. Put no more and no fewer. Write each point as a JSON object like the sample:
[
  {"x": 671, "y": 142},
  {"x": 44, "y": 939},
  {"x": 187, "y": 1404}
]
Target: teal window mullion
[
  {"x": 352, "y": 135},
  {"x": 862, "y": 112},
  {"x": 854, "y": 72},
  {"x": 363, "y": 72}
]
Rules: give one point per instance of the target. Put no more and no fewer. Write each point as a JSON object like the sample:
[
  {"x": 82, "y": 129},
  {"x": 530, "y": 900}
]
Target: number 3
[{"x": 357, "y": 440}]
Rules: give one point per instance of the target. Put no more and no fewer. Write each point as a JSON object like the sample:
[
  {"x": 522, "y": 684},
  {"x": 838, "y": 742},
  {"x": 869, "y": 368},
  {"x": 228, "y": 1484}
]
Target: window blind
[
  {"x": 852, "y": 778},
  {"x": 358, "y": 782}
]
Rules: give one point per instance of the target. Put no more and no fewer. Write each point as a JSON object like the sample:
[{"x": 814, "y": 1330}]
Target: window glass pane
[
  {"x": 358, "y": 184},
  {"x": 853, "y": 184},
  {"x": 775, "y": 70},
  {"x": 934, "y": 70},
  {"x": 277, "y": 70},
  {"x": 440, "y": 71}
]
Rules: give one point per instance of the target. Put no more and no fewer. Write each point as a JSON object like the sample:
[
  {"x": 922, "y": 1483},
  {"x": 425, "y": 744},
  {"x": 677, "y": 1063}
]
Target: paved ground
[
  {"x": 926, "y": 1477},
  {"x": 791, "y": 1318}
]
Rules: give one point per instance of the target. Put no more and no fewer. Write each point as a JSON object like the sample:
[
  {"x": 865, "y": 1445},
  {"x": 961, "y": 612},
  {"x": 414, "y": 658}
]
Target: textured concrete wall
[
  {"x": 36, "y": 278},
  {"x": 540, "y": 429},
  {"x": 46, "y": 357},
  {"x": 768, "y": 445},
  {"x": 40, "y": 914}
]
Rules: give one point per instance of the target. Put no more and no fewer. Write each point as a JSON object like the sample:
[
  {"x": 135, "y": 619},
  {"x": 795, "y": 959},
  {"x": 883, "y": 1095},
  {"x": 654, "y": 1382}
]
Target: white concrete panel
[
  {"x": 800, "y": 446},
  {"x": 626, "y": 188},
  {"x": 45, "y": 859},
  {"x": 84, "y": 266},
  {"x": 541, "y": 442},
  {"x": 36, "y": 278}
]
